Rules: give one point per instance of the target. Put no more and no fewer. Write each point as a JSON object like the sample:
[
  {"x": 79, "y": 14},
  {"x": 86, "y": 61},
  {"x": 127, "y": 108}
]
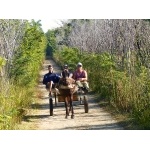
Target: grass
[
  {"x": 124, "y": 120},
  {"x": 27, "y": 122}
]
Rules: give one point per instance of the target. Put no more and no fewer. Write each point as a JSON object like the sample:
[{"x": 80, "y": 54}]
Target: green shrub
[{"x": 127, "y": 88}]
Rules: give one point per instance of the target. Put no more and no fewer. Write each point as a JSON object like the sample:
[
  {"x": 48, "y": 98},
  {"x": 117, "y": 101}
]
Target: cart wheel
[
  {"x": 51, "y": 106},
  {"x": 80, "y": 100},
  {"x": 86, "y": 106}
]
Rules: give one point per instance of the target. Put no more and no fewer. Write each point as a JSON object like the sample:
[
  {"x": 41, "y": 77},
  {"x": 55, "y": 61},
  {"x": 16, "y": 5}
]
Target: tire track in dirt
[{"x": 39, "y": 118}]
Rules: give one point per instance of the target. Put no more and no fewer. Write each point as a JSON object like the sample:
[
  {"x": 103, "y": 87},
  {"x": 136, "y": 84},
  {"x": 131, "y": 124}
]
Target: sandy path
[{"x": 39, "y": 118}]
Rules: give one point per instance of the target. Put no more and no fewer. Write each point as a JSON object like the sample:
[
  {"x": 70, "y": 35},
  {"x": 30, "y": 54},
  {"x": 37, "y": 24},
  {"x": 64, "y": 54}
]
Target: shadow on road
[
  {"x": 29, "y": 117},
  {"x": 111, "y": 126}
]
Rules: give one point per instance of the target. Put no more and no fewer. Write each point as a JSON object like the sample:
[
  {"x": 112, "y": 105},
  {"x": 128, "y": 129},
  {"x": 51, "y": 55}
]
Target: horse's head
[
  {"x": 65, "y": 80},
  {"x": 65, "y": 73}
]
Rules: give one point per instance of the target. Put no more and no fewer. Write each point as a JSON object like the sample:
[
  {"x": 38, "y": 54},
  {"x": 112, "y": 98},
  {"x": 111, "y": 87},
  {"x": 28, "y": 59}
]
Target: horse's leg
[
  {"x": 71, "y": 106},
  {"x": 66, "y": 105}
]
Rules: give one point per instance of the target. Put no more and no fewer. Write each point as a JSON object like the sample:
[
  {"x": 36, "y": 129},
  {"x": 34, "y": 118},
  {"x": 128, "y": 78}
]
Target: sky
[{"x": 50, "y": 24}]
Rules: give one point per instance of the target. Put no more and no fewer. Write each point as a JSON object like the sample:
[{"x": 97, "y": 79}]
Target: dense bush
[
  {"x": 18, "y": 90},
  {"x": 128, "y": 93},
  {"x": 115, "y": 53}
]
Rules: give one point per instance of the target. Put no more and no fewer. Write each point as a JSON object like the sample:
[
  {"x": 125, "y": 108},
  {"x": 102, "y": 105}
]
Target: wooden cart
[{"x": 80, "y": 96}]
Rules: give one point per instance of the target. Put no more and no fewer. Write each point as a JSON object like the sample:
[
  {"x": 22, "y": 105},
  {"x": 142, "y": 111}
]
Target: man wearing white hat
[{"x": 80, "y": 75}]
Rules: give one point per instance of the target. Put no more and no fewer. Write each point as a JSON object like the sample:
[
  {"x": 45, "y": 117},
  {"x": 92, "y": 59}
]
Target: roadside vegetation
[
  {"x": 116, "y": 55},
  {"x": 22, "y": 51}
]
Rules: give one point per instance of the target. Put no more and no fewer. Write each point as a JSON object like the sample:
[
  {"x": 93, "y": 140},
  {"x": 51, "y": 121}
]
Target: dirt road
[{"x": 39, "y": 118}]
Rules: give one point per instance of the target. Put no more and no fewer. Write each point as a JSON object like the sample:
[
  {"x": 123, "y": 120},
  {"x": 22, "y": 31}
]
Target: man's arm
[
  {"x": 85, "y": 78},
  {"x": 74, "y": 75},
  {"x": 70, "y": 75},
  {"x": 45, "y": 79}
]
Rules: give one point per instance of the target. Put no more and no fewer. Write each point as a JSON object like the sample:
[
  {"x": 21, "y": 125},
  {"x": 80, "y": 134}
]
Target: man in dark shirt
[
  {"x": 50, "y": 79},
  {"x": 46, "y": 76}
]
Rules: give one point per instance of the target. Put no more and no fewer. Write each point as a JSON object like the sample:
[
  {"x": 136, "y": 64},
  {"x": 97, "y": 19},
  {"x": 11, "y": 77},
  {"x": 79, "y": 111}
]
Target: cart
[{"x": 80, "y": 95}]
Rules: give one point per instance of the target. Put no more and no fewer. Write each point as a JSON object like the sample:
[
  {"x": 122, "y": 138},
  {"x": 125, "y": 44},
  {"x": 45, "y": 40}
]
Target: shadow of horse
[{"x": 67, "y": 88}]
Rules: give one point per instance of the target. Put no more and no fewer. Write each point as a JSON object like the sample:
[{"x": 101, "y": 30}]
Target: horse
[{"x": 66, "y": 89}]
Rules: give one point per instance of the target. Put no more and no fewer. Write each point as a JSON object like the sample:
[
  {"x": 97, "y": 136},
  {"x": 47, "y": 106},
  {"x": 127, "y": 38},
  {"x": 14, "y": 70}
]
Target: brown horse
[{"x": 67, "y": 88}]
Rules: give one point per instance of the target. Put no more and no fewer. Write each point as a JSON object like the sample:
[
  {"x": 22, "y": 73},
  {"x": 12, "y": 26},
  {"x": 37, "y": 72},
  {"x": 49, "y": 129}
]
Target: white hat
[{"x": 79, "y": 64}]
